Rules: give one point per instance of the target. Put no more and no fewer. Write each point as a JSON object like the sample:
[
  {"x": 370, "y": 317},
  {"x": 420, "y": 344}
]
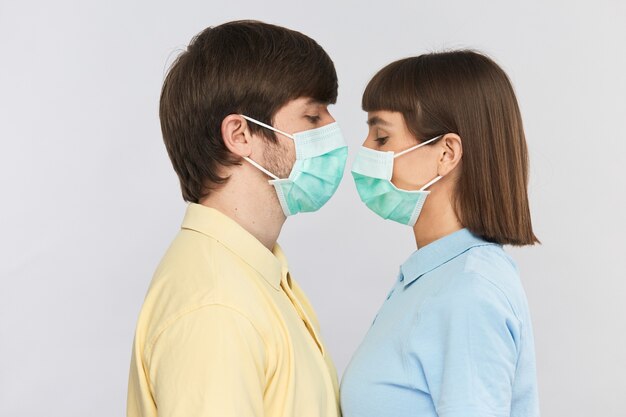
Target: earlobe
[
  {"x": 452, "y": 151},
  {"x": 235, "y": 135}
]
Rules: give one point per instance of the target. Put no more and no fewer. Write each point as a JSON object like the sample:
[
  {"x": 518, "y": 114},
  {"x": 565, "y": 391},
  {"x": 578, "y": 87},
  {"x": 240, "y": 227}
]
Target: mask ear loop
[
  {"x": 419, "y": 145},
  {"x": 250, "y": 119},
  {"x": 428, "y": 184},
  {"x": 259, "y": 167},
  {"x": 434, "y": 180},
  {"x": 265, "y": 171}
]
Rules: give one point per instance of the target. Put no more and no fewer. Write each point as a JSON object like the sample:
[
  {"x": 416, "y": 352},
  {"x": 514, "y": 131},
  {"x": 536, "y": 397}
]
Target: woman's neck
[{"x": 437, "y": 219}]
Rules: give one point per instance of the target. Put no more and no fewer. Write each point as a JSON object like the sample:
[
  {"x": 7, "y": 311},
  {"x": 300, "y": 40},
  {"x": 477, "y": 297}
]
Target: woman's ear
[
  {"x": 236, "y": 135},
  {"x": 451, "y": 153}
]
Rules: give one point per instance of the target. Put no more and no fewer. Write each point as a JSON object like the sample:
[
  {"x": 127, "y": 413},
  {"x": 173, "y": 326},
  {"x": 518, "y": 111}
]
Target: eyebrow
[{"x": 374, "y": 121}]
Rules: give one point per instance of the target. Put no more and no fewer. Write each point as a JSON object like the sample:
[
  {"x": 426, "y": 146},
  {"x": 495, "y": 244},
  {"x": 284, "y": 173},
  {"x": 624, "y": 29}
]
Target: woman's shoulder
[
  {"x": 484, "y": 275},
  {"x": 492, "y": 263}
]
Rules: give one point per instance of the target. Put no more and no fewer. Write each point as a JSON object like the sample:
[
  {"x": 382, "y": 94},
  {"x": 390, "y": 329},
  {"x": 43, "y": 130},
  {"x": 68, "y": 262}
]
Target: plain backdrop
[{"x": 89, "y": 201}]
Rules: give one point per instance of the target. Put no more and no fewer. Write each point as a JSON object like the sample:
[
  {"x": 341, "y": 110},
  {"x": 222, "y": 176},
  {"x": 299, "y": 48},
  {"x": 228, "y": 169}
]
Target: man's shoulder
[
  {"x": 197, "y": 264},
  {"x": 197, "y": 271}
]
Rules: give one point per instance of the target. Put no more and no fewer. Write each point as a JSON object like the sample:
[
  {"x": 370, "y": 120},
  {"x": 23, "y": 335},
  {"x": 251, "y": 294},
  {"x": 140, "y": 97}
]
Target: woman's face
[{"x": 388, "y": 132}]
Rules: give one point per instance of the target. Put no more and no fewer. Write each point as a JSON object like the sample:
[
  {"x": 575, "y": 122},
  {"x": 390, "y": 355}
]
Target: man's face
[{"x": 297, "y": 115}]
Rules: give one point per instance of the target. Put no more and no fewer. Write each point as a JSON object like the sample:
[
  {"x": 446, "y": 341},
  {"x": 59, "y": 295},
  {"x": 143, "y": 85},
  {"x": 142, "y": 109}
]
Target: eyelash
[
  {"x": 313, "y": 119},
  {"x": 383, "y": 140}
]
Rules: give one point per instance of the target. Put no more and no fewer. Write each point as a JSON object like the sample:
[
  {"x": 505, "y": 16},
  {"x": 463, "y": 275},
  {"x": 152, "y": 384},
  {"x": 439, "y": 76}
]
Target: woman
[{"x": 454, "y": 336}]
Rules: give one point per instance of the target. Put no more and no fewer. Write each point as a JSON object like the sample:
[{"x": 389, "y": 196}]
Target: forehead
[
  {"x": 303, "y": 102},
  {"x": 293, "y": 108}
]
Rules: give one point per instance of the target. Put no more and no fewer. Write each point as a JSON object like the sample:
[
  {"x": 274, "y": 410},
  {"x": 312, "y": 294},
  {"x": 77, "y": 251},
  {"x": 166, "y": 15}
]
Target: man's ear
[
  {"x": 451, "y": 153},
  {"x": 236, "y": 135}
]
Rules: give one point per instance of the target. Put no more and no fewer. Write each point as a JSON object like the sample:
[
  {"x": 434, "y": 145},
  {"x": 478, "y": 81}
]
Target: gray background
[{"x": 90, "y": 202}]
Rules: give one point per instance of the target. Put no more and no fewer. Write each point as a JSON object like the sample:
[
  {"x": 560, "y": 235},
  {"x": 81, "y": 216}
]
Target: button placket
[{"x": 301, "y": 313}]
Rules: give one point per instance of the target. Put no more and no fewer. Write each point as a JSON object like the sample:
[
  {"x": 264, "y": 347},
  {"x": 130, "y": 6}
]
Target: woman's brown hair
[{"x": 467, "y": 93}]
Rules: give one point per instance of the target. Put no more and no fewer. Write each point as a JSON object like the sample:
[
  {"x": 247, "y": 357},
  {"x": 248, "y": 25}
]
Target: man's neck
[{"x": 253, "y": 205}]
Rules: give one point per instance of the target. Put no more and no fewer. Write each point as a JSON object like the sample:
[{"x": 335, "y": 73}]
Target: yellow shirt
[{"x": 224, "y": 331}]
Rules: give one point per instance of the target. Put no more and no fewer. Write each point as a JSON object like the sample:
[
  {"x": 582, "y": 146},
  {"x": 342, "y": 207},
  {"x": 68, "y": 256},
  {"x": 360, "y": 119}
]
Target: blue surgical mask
[
  {"x": 372, "y": 172},
  {"x": 320, "y": 161}
]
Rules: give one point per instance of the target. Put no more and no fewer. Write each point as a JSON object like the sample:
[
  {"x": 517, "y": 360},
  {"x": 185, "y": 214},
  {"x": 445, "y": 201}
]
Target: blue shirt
[{"x": 453, "y": 339}]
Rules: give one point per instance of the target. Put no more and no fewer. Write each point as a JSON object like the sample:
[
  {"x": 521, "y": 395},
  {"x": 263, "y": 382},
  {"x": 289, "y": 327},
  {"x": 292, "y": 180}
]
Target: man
[{"x": 224, "y": 329}]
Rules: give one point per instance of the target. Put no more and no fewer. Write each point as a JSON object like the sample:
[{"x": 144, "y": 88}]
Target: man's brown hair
[
  {"x": 243, "y": 67},
  {"x": 467, "y": 93}
]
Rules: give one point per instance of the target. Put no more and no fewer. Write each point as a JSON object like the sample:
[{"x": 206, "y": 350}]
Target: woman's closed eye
[
  {"x": 382, "y": 140},
  {"x": 313, "y": 119}
]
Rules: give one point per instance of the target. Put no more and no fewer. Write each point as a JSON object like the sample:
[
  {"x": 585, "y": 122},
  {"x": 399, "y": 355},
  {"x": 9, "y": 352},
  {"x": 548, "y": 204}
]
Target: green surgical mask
[
  {"x": 372, "y": 172},
  {"x": 320, "y": 161}
]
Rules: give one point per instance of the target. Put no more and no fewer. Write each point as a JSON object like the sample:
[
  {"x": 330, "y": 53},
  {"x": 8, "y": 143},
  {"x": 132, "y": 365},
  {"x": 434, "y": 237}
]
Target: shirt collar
[
  {"x": 271, "y": 265},
  {"x": 437, "y": 253}
]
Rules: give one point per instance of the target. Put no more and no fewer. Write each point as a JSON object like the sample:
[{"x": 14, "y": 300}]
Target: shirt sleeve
[
  {"x": 209, "y": 362},
  {"x": 466, "y": 346}
]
